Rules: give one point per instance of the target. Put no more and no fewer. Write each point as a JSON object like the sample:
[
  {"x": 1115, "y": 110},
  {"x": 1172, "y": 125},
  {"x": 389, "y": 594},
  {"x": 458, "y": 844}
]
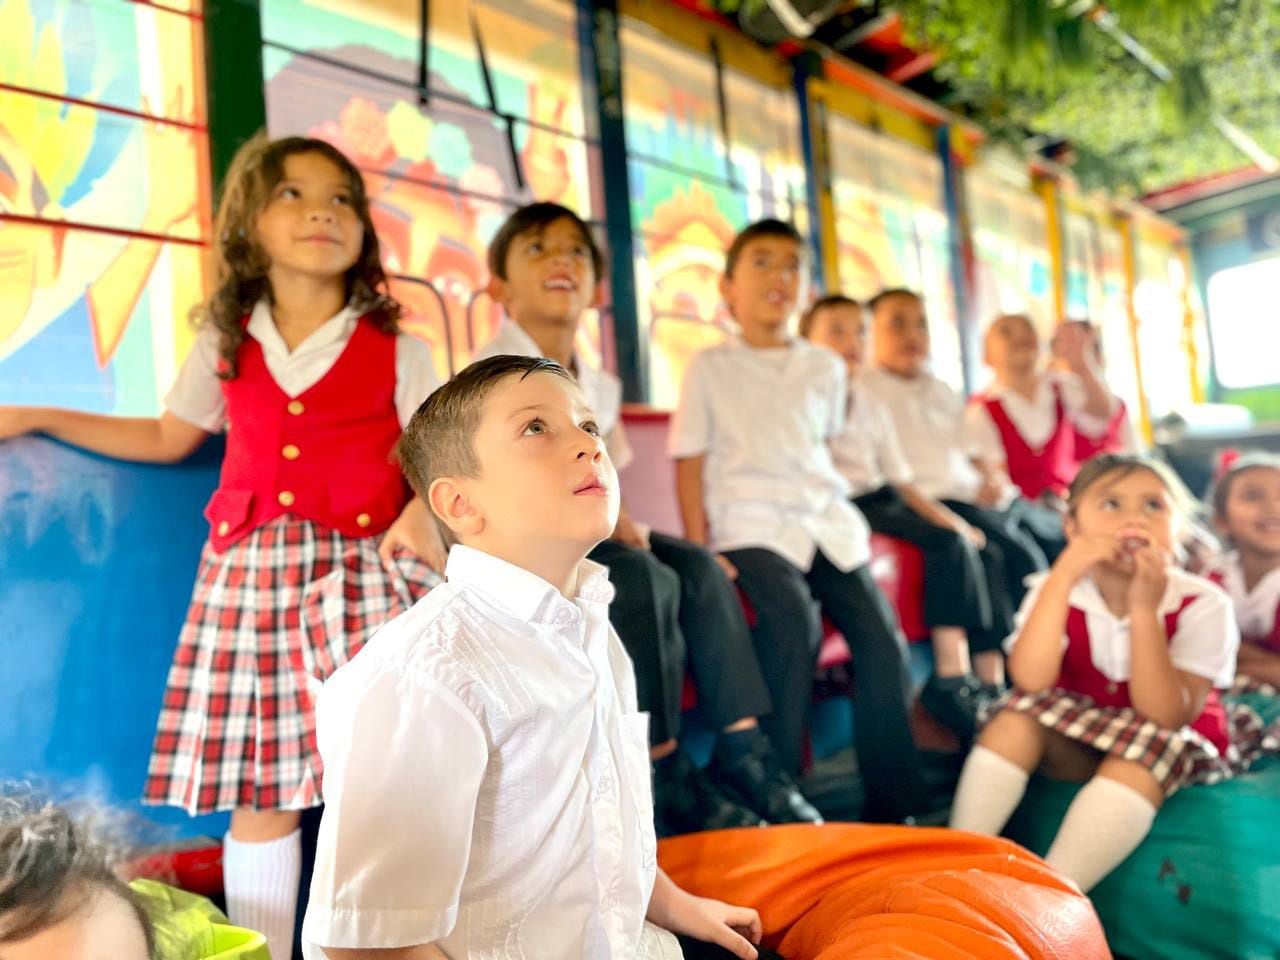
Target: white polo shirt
[
  {"x": 601, "y": 389},
  {"x": 1256, "y": 609},
  {"x": 197, "y": 398},
  {"x": 1034, "y": 418},
  {"x": 486, "y": 778},
  {"x": 867, "y": 450},
  {"x": 1205, "y": 643},
  {"x": 928, "y": 417},
  {"x": 763, "y": 418}
]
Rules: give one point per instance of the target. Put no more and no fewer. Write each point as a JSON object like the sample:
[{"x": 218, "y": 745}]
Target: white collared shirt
[
  {"x": 486, "y": 777},
  {"x": 600, "y": 388},
  {"x": 867, "y": 450},
  {"x": 763, "y": 418},
  {"x": 1256, "y": 609},
  {"x": 928, "y": 417},
  {"x": 1205, "y": 643},
  {"x": 1035, "y": 419},
  {"x": 197, "y": 398}
]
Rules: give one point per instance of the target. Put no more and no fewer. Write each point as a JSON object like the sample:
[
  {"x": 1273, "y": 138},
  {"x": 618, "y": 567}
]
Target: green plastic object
[
  {"x": 1203, "y": 885},
  {"x": 190, "y": 927}
]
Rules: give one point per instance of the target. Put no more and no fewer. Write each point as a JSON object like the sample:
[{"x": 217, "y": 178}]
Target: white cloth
[
  {"x": 486, "y": 777},
  {"x": 928, "y": 417},
  {"x": 1256, "y": 609},
  {"x": 763, "y": 419},
  {"x": 867, "y": 450},
  {"x": 196, "y": 395},
  {"x": 601, "y": 389},
  {"x": 1034, "y": 419},
  {"x": 1205, "y": 643}
]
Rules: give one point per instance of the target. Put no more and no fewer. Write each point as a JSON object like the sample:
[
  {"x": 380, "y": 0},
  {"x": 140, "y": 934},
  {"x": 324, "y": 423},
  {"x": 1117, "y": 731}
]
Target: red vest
[
  {"x": 1269, "y": 640},
  {"x": 324, "y": 455},
  {"x": 1052, "y": 467},
  {"x": 1109, "y": 442},
  {"x": 1079, "y": 675}
]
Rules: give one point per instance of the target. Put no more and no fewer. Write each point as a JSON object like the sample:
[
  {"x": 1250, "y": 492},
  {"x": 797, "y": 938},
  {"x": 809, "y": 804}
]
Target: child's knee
[
  {"x": 1134, "y": 776},
  {"x": 1016, "y": 737}
]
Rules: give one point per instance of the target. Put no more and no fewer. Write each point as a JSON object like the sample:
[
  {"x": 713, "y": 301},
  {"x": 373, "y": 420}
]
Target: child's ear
[
  {"x": 497, "y": 289},
  {"x": 726, "y": 286},
  {"x": 597, "y": 296},
  {"x": 447, "y": 497},
  {"x": 1069, "y": 525}
]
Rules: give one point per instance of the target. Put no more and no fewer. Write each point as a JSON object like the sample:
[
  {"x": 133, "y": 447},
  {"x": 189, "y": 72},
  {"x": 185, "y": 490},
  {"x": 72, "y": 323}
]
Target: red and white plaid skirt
[
  {"x": 1176, "y": 758},
  {"x": 270, "y": 620}
]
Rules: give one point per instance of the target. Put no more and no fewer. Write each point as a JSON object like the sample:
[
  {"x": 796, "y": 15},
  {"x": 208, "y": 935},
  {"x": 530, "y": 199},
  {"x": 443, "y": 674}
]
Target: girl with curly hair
[{"x": 315, "y": 539}]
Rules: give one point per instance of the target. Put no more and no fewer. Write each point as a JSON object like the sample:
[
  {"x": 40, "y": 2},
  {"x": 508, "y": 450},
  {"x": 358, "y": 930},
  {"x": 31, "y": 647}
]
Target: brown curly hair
[{"x": 240, "y": 263}]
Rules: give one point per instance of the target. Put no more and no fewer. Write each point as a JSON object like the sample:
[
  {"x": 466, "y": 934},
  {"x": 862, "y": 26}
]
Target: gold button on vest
[
  {"x": 286, "y": 498},
  {"x": 296, "y": 407},
  {"x": 290, "y": 452},
  {"x": 363, "y": 520}
]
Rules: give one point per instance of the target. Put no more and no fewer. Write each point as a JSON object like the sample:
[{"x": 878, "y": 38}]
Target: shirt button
[
  {"x": 290, "y": 452},
  {"x": 224, "y": 528},
  {"x": 606, "y": 784},
  {"x": 363, "y": 520},
  {"x": 286, "y": 498},
  {"x": 610, "y": 901},
  {"x": 563, "y": 616},
  {"x": 296, "y": 407},
  {"x": 1112, "y": 688}
]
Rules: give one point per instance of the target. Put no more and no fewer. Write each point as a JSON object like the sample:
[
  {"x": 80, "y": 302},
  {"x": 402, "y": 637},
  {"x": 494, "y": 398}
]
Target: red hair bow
[{"x": 1226, "y": 460}]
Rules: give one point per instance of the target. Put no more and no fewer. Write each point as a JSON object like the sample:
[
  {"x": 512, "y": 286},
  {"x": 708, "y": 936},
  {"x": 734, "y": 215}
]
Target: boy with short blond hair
[
  {"x": 757, "y": 485},
  {"x": 486, "y": 768}
]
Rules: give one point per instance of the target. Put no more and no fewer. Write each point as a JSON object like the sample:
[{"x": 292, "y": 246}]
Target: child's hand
[
  {"x": 1083, "y": 552},
  {"x": 1150, "y": 578},
  {"x": 968, "y": 531},
  {"x": 727, "y": 566},
  {"x": 737, "y": 929},
  {"x": 415, "y": 530},
  {"x": 992, "y": 489},
  {"x": 16, "y": 422},
  {"x": 1074, "y": 345}
]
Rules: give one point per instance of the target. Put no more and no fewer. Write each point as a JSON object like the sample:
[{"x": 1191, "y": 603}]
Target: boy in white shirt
[
  {"x": 928, "y": 417},
  {"x": 966, "y": 626},
  {"x": 486, "y": 771},
  {"x": 757, "y": 484},
  {"x": 673, "y": 602}
]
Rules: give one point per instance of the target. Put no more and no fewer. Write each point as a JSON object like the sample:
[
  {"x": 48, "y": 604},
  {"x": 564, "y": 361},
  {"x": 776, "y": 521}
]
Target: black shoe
[
  {"x": 753, "y": 778},
  {"x": 956, "y": 703},
  {"x": 686, "y": 801}
]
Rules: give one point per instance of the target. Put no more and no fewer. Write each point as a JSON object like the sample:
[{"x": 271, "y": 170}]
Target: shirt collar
[
  {"x": 263, "y": 329},
  {"x": 524, "y": 595},
  {"x": 1086, "y": 595}
]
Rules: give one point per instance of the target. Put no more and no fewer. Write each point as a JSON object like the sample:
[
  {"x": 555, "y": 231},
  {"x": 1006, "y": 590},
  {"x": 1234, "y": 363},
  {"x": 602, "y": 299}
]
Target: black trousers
[
  {"x": 698, "y": 950},
  {"x": 788, "y": 630},
  {"x": 956, "y": 573},
  {"x": 675, "y": 609},
  {"x": 1021, "y": 553}
]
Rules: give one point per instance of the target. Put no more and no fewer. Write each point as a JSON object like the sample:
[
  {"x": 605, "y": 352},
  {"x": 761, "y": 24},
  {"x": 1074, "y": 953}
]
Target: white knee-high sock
[
  {"x": 261, "y": 881},
  {"x": 989, "y": 790},
  {"x": 1104, "y": 824}
]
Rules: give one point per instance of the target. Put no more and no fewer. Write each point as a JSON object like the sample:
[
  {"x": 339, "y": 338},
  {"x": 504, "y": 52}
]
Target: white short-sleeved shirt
[
  {"x": 1256, "y": 609},
  {"x": 1034, "y": 418},
  {"x": 1205, "y": 643},
  {"x": 486, "y": 777},
  {"x": 867, "y": 450},
  {"x": 764, "y": 418},
  {"x": 197, "y": 397},
  {"x": 601, "y": 389},
  {"x": 928, "y": 417}
]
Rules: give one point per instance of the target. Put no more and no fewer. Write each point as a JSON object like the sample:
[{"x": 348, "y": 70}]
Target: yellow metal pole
[
  {"x": 1190, "y": 321},
  {"x": 1047, "y": 188},
  {"x": 827, "y": 234},
  {"x": 1130, "y": 239}
]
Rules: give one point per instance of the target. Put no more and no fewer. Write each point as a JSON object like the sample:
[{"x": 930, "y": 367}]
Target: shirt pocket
[
  {"x": 635, "y": 762},
  {"x": 228, "y": 511}
]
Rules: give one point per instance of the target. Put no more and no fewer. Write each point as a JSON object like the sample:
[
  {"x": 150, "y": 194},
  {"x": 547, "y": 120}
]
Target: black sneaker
[
  {"x": 686, "y": 801},
  {"x": 754, "y": 779},
  {"x": 955, "y": 702}
]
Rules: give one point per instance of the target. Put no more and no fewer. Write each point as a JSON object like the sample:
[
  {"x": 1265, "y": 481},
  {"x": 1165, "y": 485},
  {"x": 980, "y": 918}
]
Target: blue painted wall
[{"x": 97, "y": 560}]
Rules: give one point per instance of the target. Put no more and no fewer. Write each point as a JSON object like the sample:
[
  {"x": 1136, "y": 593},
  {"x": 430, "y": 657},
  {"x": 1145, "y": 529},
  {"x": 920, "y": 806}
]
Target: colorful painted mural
[{"x": 103, "y": 187}]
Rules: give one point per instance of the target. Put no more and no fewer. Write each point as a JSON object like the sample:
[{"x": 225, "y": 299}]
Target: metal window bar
[
  {"x": 487, "y": 76},
  {"x": 444, "y": 311}
]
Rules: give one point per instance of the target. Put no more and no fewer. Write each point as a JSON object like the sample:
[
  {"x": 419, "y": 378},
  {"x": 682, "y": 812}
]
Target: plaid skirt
[
  {"x": 270, "y": 619},
  {"x": 1176, "y": 758}
]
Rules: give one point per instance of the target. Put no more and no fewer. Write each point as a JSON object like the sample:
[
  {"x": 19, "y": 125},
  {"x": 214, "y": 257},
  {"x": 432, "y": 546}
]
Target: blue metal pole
[{"x": 802, "y": 67}]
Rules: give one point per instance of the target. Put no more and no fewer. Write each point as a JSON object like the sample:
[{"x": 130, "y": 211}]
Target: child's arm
[
  {"x": 938, "y": 514},
  {"x": 689, "y": 491},
  {"x": 737, "y": 929},
  {"x": 163, "y": 439},
  {"x": 1259, "y": 663},
  {"x": 1035, "y": 662},
  {"x": 1074, "y": 343},
  {"x": 415, "y": 530}
]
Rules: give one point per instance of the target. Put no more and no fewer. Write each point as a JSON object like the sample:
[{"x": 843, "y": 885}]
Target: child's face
[
  {"x": 843, "y": 329},
  {"x": 901, "y": 335},
  {"x": 765, "y": 286},
  {"x": 1134, "y": 508},
  {"x": 1013, "y": 348},
  {"x": 309, "y": 226},
  {"x": 1251, "y": 515},
  {"x": 544, "y": 476},
  {"x": 105, "y": 928},
  {"x": 550, "y": 276}
]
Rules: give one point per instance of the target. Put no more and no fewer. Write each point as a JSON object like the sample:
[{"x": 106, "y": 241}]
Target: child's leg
[
  {"x": 887, "y": 756},
  {"x": 1106, "y": 821},
  {"x": 786, "y": 637},
  {"x": 987, "y": 646},
  {"x": 995, "y": 773},
  {"x": 262, "y": 867},
  {"x": 1021, "y": 554}
]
